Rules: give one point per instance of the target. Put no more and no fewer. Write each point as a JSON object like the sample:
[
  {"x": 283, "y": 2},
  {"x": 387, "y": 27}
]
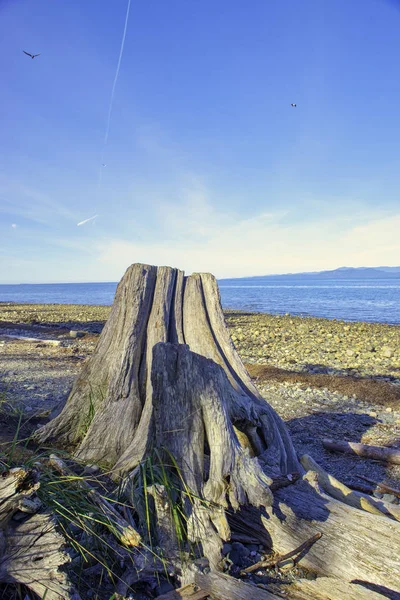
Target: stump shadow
[{"x": 308, "y": 432}]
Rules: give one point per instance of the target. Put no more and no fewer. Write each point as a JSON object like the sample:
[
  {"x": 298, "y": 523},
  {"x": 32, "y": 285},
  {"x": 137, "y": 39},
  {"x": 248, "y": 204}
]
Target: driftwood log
[
  {"x": 387, "y": 455},
  {"x": 166, "y": 376},
  {"x": 341, "y": 492},
  {"x": 31, "y": 550}
]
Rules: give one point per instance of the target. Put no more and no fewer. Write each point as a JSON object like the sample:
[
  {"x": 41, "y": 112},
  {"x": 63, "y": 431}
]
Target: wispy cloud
[
  {"x": 198, "y": 237},
  {"x": 31, "y": 204}
]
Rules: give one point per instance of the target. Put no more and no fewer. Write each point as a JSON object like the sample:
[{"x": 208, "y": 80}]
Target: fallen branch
[
  {"x": 276, "y": 560},
  {"x": 337, "y": 489},
  {"x": 325, "y": 483},
  {"x": 359, "y": 487},
  {"x": 23, "y": 338},
  {"x": 284, "y": 481},
  {"x": 381, "y": 487},
  {"x": 388, "y": 455}
]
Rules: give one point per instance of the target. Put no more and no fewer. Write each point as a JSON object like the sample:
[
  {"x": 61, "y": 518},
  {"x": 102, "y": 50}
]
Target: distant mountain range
[
  {"x": 341, "y": 273},
  {"x": 359, "y": 273}
]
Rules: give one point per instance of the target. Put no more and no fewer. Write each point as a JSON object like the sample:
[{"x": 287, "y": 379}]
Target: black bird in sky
[
  {"x": 293, "y": 105},
  {"x": 31, "y": 55}
]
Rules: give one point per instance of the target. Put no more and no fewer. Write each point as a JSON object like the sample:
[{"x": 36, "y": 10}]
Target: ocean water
[{"x": 349, "y": 300}]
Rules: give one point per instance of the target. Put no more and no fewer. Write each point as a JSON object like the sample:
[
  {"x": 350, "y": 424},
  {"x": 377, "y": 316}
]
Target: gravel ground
[
  {"x": 299, "y": 353},
  {"x": 316, "y": 345}
]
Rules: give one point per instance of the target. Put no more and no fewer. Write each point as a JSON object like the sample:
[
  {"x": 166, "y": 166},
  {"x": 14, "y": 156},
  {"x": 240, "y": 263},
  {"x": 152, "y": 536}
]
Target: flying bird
[
  {"x": 31, "y": 55},
  {"x": 293, "y": 105},
  {"x": 86, "y": 221}
]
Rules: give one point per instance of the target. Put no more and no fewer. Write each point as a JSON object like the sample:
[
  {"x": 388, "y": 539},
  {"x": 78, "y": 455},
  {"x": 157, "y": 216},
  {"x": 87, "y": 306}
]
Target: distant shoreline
[
  {"x": 63, "y": 315},
  {"x": 50, "y": 313},
  {"x": 368, "y": 300},
  {"x": 285, "y": 341}
]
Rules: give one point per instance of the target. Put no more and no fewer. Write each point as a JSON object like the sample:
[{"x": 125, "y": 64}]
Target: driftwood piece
[
  {"x": 165, "y": 530},
  {"x": 340, "y": 491},
  {"x": 354, "y": 545},
  {"x": 387, "y": 455},
  {"x": 31, "y": 551},
  {"x": 17, "y": 489},
  {"x": 187, "y": 592},
  {"x": 125, "y": 532},
  {"x": 381, "y": 487},
  {"x": 284, "y": 481},
  {"x": 224, "y": 587},
  {"x": 329, "y": 588},
  {"x": 297, "y": 553},
  {"x": 31, "y": 340}
]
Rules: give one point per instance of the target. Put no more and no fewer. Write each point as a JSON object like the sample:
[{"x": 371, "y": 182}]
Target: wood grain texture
[
  {"x": 31, "y": 551},
  {"x": 108, "y": 416}
]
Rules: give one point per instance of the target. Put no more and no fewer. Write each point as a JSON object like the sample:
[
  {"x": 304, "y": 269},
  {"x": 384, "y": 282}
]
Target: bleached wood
[
  {"x": 187, "y": 592},
  {"x": 224, "y": 587},
  {"x": 341, "y": 492},
  {"x": 159, "y": 304},
  {"x": 108, "y": 385},
  {"x": 387, "y": 455},
  {"x": 188, "y": 402},
  {"x": 31, "y": 551},
  {"x": 354, "y": 544},
  {"x": 199, "y": 391},
  {"x": 329, "y": 588}
]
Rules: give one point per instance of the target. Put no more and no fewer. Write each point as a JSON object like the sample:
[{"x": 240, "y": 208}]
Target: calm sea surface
[{"x": 350, "y": 300}]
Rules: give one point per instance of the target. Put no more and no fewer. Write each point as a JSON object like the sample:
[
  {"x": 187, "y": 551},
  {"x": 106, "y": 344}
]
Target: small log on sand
[{"x": 387, "y": 455}]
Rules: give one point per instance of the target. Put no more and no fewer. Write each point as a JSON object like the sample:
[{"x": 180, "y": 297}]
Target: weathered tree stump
[
  {"x": 166, "y": 376},
  {"x": 108, "y": 415}
]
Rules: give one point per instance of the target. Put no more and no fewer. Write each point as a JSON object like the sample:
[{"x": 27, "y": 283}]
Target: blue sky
[{"x": 208, "y": 166}]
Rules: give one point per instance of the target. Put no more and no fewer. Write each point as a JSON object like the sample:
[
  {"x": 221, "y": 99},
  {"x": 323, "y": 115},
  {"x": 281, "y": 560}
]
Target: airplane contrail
[
  {"x": 86, "y": 220},
  {"x": 116, "y": 74},
  {"x": 110, "y": 106}
]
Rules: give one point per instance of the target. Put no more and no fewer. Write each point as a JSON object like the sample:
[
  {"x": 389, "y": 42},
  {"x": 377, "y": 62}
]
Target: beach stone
[
  {"x": 19, "y": 516},
  {"x": 286, "y": 565},
  {"x": 91, "y": 469},
  {"x": 226, "y": 549},
  {"x": 389, "y": 498},
  {"x": 163, "y": 588},
  {"x": 387, "y": 352},
  {"x": 76, "y": 334},
  {"x": 239, "y": 554}
]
